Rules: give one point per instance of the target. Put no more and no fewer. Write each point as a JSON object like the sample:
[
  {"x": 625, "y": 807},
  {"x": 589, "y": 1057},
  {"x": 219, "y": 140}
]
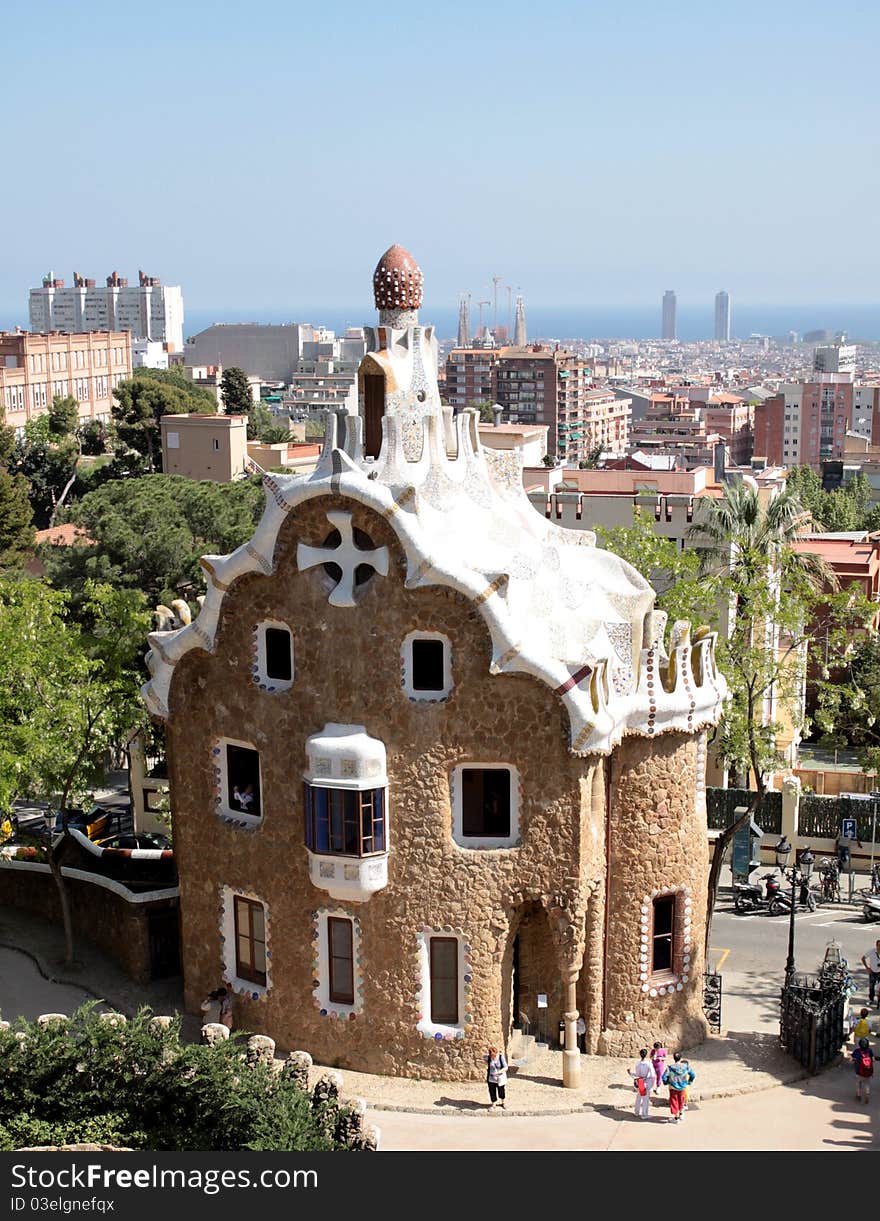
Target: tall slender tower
[
  {"x": 668, "y": 328},
  {"x": 722, "y": 316},
  {"x": 464, "y": 320},
  {"x": 520, "y": 337}
]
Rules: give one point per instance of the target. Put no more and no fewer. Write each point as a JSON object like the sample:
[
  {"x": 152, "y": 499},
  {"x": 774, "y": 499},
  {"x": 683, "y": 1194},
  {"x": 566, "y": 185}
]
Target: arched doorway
[{"x": 531, "y": 977}]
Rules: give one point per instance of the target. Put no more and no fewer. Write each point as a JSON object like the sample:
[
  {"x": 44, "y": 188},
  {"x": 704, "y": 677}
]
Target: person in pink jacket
[{"x": 659, "y": 1056}]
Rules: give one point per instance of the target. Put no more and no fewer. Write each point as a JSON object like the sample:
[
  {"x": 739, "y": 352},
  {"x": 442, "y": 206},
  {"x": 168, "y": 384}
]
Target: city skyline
[{"x": 242, "y": 218}]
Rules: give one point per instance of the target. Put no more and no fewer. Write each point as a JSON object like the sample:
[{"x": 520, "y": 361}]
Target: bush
[{"x": 137, "y": 1086}]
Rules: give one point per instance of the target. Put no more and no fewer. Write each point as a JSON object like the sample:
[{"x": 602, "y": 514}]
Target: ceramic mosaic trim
[
  {"x": 258, "y": 677},
  {"x": 425, "y": 697},
  {"x": 426, "y": 1028},
  {"x": 672, "y": 982},
  {"x": 235, "y": 819},
  {"x": 321, "y": 973},
  {"x": 242, "y": 987}
]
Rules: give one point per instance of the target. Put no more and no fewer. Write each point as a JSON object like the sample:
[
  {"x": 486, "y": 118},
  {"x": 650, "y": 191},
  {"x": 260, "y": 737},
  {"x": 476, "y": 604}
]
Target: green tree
[
  {"x": 16, "y": 520},
  {"x": 66, "y": 697},
  {"x": 63, "y": 417},
  {"x": 150, "y": 533},
  {"x": 787, "y": 619},
  {"x": 235, "y": 391},
  {"x": 94, "y": 437},
  {"x": 49, "y": 468},
  {"x": 848, "y": 711},
  {"x": 144, "y": 399},
  {"x": 275, "y": 435},
  {"x": 260, "y": 420},
  {"x": 675, "y": 574}
]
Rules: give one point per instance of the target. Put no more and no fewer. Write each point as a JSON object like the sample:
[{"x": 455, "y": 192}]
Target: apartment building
[
  {"x": 470, "y": 376},
  {"x": 805, "y": 423},
  {"x": 149, "y": 309},
  {"x": 675, "y": 425},
  {"x": 733, "y": 419},
  {"x": 34, "y": 369},
  {"x": 542, "y": 385}
]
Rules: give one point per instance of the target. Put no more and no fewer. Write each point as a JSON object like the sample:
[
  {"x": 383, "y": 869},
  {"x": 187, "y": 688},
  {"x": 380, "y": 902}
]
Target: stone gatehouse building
[{"x": 435, "y": 773}]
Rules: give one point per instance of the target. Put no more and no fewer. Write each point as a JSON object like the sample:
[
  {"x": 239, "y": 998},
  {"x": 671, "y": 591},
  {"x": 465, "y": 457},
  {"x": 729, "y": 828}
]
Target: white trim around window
[
  {"x": 261, "y": 676},
  {"x": 321, "y": 993},
  {"x": 220, "y": 759},
  {"x": 244, "y": 987},
  {"x": 407, "y": 668},
  {"x": 439, "y": 1031},
  {"x": 512, "y": 839}
]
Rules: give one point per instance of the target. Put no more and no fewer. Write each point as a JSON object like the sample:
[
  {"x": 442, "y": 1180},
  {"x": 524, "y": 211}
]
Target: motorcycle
[
  {"x": 749, "y": 897},
  {"x": 781, "y": 901},
  {"x": 871, "y": 907}
]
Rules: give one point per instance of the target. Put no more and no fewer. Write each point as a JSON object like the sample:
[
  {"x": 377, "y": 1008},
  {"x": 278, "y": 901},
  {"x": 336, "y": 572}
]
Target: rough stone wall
[
  {"x": 657, "y": 841},
  {"x": 347, "y": 669},
  {"x": 119, "y": 928}
]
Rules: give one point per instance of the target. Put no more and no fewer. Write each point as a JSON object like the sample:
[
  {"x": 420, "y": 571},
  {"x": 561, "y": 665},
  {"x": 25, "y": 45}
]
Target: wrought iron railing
[{"x": 712, "y": 1000}]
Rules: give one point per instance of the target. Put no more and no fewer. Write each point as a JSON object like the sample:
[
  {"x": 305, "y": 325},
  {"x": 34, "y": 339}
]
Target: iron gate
[{"x": 712, "y": 1000}]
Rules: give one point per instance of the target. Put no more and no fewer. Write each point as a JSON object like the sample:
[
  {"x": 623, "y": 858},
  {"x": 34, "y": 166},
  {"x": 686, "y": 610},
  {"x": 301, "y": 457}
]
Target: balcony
[{"x": 352, "y": 879}]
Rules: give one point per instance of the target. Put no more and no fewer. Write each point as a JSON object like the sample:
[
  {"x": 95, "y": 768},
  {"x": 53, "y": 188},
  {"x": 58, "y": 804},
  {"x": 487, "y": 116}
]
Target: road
[{"x": 25, "y": 993}]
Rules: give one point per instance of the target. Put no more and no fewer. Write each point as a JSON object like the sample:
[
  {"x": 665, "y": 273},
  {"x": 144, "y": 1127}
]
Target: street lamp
[
  {"x": 797, "y": 878},
  {"x": 783, "y": 852}
]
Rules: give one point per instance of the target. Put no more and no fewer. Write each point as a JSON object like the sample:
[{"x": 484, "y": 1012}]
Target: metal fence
[
  {"x": 821, "y": 816},
  {"x": 712, "y": 1000},
  {"x": 721, "y": 803},
  {"x": 812, "y": 1017}
]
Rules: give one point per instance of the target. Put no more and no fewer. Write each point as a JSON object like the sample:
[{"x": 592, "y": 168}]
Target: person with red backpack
[{"x": 863, "y": 1062}]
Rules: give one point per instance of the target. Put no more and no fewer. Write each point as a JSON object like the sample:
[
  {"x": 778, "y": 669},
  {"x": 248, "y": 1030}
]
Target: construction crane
[
  {"x": 496, "y": 280},
  {"x": 481, "y": 304}
]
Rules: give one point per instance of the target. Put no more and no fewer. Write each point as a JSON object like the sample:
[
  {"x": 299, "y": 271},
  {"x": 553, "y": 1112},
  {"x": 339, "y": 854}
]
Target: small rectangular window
[
  {"x": 428, "y": 665},
  {"x": 339, "y": 937},
  {"x": 243, "y": 779},
  {"x": 444, "y": 980},
  {"x": 279, "y": 659},
  {"x": 215, "y": 444},
  {"x": 662, "y": 934},
  {"x": 250, "y": 940},
  {"x": 485, "y": 801}
]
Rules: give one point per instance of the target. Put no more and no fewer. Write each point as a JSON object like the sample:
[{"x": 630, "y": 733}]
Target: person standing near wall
[
  {"x": 643, "y": 1078},
  {"x": 496, "y": 1077}
]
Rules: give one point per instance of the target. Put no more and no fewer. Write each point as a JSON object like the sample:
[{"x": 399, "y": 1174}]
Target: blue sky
[{"x": 265, "y": 154}]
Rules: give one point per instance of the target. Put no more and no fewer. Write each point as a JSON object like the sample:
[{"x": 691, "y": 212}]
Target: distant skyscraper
[
  {"x": 668, "y": 330},
  {"x": 464, "y": 321},
  {"x": 722, "y": 316},
  {"x": 520, "y": 338}
]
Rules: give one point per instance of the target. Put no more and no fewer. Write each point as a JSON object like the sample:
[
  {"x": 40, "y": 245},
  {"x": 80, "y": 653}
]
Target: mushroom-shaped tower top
[{"x": 397, "y": 281}]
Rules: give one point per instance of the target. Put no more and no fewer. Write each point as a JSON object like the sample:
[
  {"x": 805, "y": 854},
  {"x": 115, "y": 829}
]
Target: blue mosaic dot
[
  {"x": 467, "y": 979},
  {"x": 256, "y": 996},
  {"x": 438, "y": 1037},
  {"x": 323, "y": 1013}
]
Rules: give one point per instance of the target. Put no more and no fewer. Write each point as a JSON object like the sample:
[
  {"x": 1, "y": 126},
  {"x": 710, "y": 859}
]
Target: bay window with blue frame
[{"x": 344, "y": 822}]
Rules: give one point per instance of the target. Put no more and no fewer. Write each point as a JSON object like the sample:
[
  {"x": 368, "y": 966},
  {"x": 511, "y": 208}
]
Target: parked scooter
[
  {"x": 806, "y": 898},
  {"x": 748, "y": 896},
  {"x": 871, "y": 906}
]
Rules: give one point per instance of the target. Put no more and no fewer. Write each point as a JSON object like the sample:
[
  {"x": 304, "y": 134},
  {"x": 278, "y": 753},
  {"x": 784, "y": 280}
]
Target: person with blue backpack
[{"x": 678, "y": 1076}]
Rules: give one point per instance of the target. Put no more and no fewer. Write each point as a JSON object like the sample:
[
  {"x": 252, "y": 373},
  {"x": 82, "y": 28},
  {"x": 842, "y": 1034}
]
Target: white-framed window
[
  {"x": 485, "y": 805},
  {"x": 338, "y": 982},
  {"x": 426, "y": 666},
  {"x": 274, "y": 647},
  {"x": 247, "y": 956},
  {"x": 443, "y": 971},
  {"x": 238, "y": 787}
]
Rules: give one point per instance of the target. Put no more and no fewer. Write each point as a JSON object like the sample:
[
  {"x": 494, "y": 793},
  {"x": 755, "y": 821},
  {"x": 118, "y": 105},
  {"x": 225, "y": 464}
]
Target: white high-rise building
[
  {"x": 668, "y": 326},
  {"x": 722, "y": 317},
  {"x": 149, "y": 310}
]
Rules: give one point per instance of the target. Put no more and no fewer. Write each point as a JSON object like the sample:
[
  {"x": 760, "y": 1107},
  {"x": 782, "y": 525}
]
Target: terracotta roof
[{"x": 65, "y": 536}]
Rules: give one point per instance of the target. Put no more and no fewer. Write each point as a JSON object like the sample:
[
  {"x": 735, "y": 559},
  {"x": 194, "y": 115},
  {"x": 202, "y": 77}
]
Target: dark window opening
[
  {"x": 340, "y": 938},
  {"x": 485, "y": 801},
  {"x": 250, "y": 940},
  {"x": 374, "y": 409},
  {"x": 428, "y": 668},
  {"x": 363, "y": 542},
  {"x": 243, "y": 779},
  {"x": 662, "y": 934},
  {"x": 444, "y": 980},
  {"x": 344, "y": 822},
  {"x": 279, "y": 654}
]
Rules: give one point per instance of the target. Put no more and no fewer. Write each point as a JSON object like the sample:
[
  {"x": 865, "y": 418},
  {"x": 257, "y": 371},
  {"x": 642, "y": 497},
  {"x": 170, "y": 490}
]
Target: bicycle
[{"x": 830, "y": 880}]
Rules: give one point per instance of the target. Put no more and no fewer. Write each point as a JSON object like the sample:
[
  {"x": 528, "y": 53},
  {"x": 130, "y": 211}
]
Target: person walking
[
  {"x": 225, "y": 1016},
  {"x": 678, "y": 1077},
  {"x": 643, "y": 1079},
  {"x": 863, "y": 1062},
  {"x": 582, "y": 1035},
  {"x": 659, "y": 1056},
  {"x": 871, "y": 963},
  {"x": 496, "y": 1078},
  {"x": 861, "y": 1028},
  {"x": 211, "y": 1008}
]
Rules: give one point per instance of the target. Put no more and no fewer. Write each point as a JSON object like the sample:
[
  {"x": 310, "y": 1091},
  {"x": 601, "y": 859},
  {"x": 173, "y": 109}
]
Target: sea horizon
[{"x": 860, "y": 323}]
